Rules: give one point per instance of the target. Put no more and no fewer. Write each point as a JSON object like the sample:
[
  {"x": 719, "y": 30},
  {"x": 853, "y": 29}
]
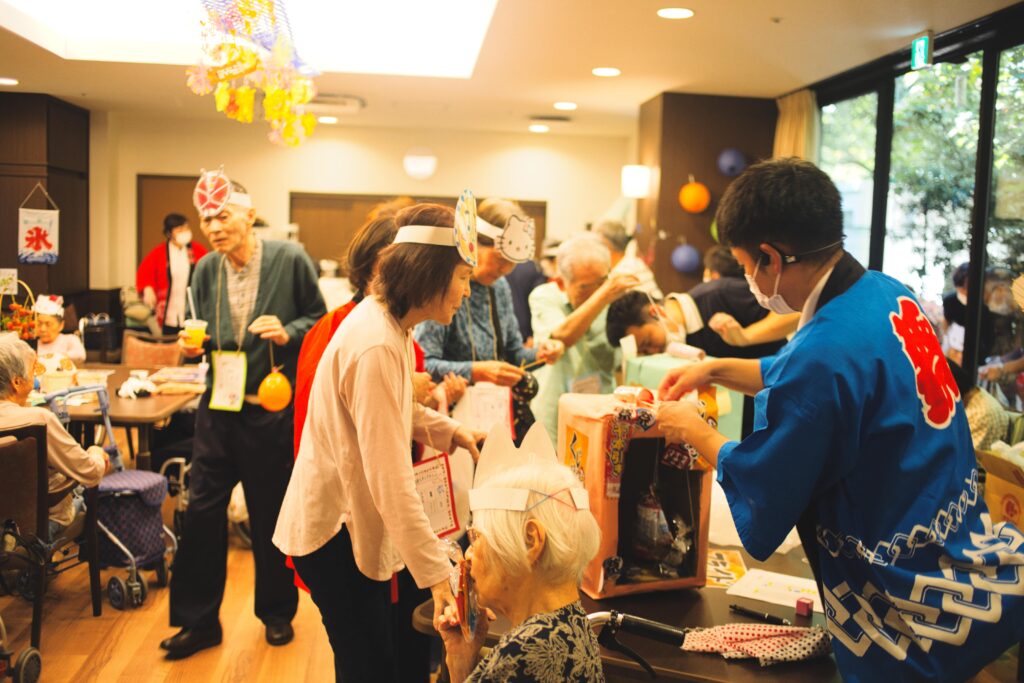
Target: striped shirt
[{"x": 243, "y": 286}]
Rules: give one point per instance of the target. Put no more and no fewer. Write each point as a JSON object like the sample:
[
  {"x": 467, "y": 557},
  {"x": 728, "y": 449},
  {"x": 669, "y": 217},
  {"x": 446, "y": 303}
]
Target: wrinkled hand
[
  {"x": 269, "y": 327},
  {"x": 683, "y": 379},
  {"x": 187, "y": 349},
  {"x": 470, "y": 439},
  {"x": 677, "y": 420},
  {"x": 107, "y": 465},
  {"x": 422, "y": 386},
  {"x": 729, "y": 329},
  {"x": 616, "y": 285},
  {"x": 454, "y": 387},
  {"x": 993, "y": 374},
  {"x": 461, "y": 654},
  {"x": 445, "y": 608},
  {"x": 498, "y": 372},
  {"x": 550, "y": 350},
  {"x": 149, "y": 297}
]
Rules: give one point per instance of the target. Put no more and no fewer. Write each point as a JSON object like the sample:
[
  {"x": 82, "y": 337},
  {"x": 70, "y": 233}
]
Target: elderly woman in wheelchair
[
  {"x": 69, "y": 464},
  {"x": 531, "y": 537}
]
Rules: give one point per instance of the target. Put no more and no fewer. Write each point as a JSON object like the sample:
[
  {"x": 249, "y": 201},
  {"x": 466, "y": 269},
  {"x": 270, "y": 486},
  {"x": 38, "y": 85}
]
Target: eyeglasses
[{"x": 473, "y": 534}]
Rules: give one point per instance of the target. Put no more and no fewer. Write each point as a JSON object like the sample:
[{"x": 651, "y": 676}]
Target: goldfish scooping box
[{"x": 651, "y": 500}]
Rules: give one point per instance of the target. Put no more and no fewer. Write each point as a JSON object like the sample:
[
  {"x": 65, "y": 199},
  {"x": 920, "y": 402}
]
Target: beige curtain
[{"x": 799, "y": 126}]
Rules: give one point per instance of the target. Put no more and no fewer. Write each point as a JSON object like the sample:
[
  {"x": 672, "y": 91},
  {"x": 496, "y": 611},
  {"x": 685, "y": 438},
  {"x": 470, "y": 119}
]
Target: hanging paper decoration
[
  {"x": 731, "y": 161},
  {"x": 248, "y": 51},
  {"x": 694, "y": 197},
  {"x": 38, "y": 231},
  {"x": 685, "y": 258}
]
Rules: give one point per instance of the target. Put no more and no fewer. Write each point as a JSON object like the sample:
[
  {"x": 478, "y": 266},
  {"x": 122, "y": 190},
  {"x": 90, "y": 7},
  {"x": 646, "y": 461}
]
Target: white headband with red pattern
[{"x": 213, "y": 192}]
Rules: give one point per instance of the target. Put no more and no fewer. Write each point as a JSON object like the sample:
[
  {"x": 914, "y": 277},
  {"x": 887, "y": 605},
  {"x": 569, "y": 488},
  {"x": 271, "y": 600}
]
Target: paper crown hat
[
  {"x": 49, "y": 304},
  {"x": 213, "y": 192},
  {"x": 463, "y": 237},
  {"x": 500, "y": 454},
  {"x": 515, "y": 241}
]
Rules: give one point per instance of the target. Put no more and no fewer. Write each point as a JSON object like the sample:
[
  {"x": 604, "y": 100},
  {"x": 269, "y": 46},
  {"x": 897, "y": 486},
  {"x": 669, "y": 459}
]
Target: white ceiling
[{"x": 537, "y": 52}]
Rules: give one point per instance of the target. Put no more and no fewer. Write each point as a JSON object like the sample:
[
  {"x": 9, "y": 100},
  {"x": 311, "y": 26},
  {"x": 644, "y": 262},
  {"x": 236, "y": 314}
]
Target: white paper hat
[
  {"x": 213, "y": 192},
  {"x": 515, "y": 241},
  {"x": 49, "y": 304},
  {"x": 500, "y": 454},
  {"x": 463, "y": 237}
]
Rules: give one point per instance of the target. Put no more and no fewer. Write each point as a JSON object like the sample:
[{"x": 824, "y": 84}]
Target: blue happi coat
[{"x": 860, "y": 431}]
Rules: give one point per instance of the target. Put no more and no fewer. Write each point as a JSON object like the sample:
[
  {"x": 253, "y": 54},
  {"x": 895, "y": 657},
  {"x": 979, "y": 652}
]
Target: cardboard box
[
  {"x": 1004, "y": 488},
  {"x": 618, "y": 487},
  {"x": 648, "y": 371}
]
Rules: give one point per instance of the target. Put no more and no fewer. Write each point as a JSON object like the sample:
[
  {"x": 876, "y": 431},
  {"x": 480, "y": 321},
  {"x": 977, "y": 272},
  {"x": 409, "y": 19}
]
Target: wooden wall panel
[
  {"x": 327, "y": 222},
  {"x": 45, "y": 140},
  {"x": 156, "y": 196},
  {"x": 689, "y": 132}
]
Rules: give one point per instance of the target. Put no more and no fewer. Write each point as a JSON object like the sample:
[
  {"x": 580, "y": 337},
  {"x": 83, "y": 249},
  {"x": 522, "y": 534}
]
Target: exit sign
[{"x": 921, "y": 51}]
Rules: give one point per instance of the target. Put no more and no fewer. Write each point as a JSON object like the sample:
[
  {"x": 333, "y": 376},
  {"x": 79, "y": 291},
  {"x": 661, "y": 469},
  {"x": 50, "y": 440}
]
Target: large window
[
  {"x": 1001, "y": 334},
  {"x": 931, "y": 181},
  {"x": 848, "y": 156}
]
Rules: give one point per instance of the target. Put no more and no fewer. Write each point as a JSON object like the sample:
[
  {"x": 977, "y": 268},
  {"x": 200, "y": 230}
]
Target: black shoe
[
  {"x": 280, "y": 634},
  {"x": 189, "y": 641}
]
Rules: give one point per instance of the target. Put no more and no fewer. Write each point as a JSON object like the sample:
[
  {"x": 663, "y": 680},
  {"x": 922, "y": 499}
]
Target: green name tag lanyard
[{"x": 229, "y": 367}]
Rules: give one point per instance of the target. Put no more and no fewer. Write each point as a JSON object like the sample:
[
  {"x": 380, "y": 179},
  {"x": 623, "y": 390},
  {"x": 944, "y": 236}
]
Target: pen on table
[{"x": 762, "y": 616}]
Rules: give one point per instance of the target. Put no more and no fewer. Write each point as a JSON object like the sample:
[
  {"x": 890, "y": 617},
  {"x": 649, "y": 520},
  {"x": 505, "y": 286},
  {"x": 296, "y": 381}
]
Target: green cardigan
[{"x": 288, "y": 289}]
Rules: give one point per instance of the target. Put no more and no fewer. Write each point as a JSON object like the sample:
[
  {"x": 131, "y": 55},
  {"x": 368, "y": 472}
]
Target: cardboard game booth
[{"x": 651, "y": 500}]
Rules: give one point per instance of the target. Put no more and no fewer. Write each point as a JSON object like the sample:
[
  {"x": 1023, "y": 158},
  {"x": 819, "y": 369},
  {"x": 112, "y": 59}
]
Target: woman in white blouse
[{"x": 351, "y": 517}]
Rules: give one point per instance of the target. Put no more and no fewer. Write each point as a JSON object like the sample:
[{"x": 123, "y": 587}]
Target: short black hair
[
  {"x": 719, "y": 259},
  {"x": 412, "y": 274},
  {"x": 172, "y": 221},
  {"x": 630, "y": 310},
  {"x": 782, "y": 201},
  {"x": 962, "y": 379},
  {"x": 960, "y": 275}
]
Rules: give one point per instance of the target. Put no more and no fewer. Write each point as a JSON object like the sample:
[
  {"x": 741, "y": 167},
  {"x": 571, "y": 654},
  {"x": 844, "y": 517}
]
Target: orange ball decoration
[
  {"x": 694, "y": 197},
  {"x": 275, "y": 392}
]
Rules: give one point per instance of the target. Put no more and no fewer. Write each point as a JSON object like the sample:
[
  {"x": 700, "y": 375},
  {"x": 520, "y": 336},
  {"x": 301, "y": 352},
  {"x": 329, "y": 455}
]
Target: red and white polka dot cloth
[{"x": 769, "y": 643}]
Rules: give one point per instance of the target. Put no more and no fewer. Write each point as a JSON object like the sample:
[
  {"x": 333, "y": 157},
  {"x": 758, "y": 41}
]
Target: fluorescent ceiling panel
[{"x": 441, "y": 38}]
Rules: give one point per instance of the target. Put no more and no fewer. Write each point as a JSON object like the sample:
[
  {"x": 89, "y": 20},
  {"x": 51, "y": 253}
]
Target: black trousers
[
  {"x": 372, "y": 639},
  {"x": 255, "y": 447}
]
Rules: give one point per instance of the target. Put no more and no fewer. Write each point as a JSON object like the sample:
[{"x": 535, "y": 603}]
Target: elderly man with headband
[{"x": 258, "y": 299}]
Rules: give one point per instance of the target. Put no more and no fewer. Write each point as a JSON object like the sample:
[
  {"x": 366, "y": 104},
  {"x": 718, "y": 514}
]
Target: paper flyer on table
[
  {"x": 778, "y": 589},
  {"x": 725, "y": 567}
]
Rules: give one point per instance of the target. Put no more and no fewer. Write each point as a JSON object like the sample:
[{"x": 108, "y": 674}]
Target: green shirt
[
  {"x": 287, "y": 288},
  {"x": 591, "y": 355}
]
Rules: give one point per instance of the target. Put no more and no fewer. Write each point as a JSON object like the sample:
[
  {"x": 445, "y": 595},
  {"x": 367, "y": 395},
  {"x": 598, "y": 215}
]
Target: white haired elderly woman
[
  {"x": 527, "y": 565},
  {"x": 66, "y": 459}
]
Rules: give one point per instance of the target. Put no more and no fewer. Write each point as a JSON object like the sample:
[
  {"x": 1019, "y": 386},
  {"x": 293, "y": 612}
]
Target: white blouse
[
  {"x": 354, "y": 465},
  {"x": 64, "y": 345}
]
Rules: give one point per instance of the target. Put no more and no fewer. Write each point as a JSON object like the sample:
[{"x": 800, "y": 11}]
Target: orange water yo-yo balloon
[
  {"x": 694, "y": 197},
  {"x": 275, "y": 392}
]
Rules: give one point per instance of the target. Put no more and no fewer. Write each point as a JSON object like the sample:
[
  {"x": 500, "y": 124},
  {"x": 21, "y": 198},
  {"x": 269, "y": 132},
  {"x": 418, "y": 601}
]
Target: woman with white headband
[
  {"x": 352, "y": 516},
  {"x": 531, "y": 538},
  {"x": 483, "y": 342}
]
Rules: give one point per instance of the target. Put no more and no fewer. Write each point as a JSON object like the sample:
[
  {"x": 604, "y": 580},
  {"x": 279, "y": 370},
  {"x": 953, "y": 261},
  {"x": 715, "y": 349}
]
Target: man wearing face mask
[
  {"x": 164, "y": 275},
  {"x": 861, "y": 441},
  {"x": 684, "y": 317}
]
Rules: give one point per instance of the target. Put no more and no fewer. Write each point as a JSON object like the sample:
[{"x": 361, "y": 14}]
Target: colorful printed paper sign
[{"x": 38, "y": 232}]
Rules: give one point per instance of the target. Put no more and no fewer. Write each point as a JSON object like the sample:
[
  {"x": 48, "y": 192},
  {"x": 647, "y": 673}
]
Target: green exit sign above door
[{"x": 921, "y": 51}]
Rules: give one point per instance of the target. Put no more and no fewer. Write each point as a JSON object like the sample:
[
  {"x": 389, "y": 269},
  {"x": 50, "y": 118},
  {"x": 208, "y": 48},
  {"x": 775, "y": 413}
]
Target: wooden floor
[{"x": 123, "y": 646}]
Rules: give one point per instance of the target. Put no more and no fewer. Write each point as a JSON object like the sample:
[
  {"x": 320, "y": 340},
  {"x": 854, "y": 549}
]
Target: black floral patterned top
[{"x": 548, "y": 648}]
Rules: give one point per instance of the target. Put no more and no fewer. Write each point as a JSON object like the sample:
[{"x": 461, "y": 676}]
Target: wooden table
[
  {"x": 141, "y": 413},
  {"x": 690, "y": 608}
]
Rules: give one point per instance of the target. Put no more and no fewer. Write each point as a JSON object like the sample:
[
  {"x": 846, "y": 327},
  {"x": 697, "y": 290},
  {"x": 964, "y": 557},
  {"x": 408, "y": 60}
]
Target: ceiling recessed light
[
  {"x": 8, "y": 81},
  {"x": 675, "y": 13},
  {"x": 565, "y": 106},
  {"x": 606, "y": 71},
  {"x": 539, "y": 128},
  {"x": 329, "y": 120}
]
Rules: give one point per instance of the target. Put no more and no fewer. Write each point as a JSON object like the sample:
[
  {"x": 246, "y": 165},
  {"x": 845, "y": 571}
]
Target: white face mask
[
  {"x": 774, "y": 303},
  {"x": 183, "y": 238}
]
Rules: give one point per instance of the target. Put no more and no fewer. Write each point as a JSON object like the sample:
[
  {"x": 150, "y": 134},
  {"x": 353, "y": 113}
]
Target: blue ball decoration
[
  {"x": 685, "y": 258},
  {"x": 731, "y": 162}
]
